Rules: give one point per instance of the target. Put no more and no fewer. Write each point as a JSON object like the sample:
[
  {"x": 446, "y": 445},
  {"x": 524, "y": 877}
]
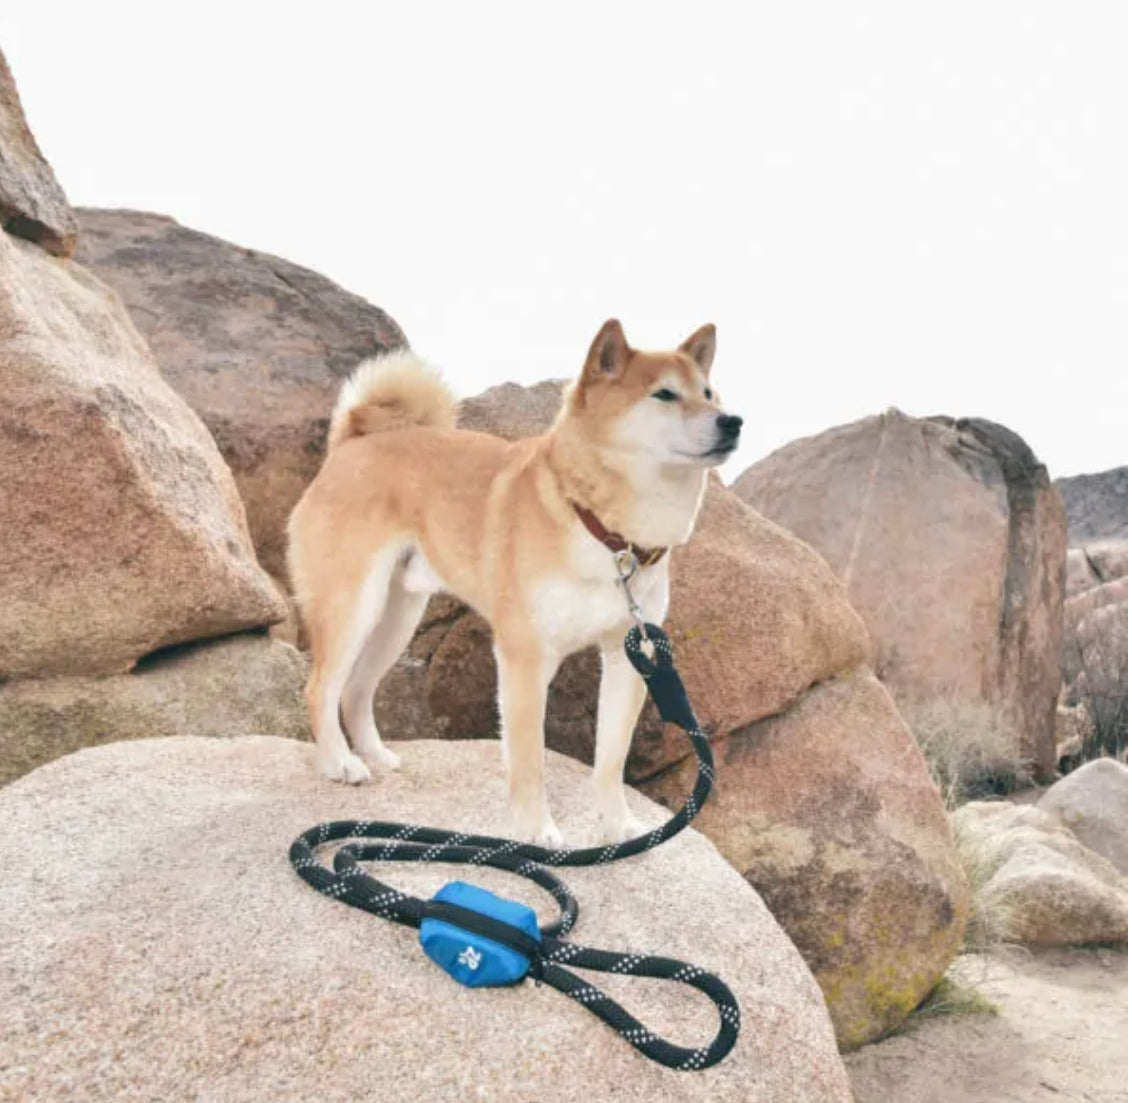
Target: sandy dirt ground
[{"x": 1060, "y": 1036}]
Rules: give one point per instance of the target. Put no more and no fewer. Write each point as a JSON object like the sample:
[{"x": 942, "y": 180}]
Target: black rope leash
[{"x": 548, "y": 954}]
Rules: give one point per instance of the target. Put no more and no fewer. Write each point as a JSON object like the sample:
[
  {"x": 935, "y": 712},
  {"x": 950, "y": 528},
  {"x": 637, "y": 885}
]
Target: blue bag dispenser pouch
[{"x": 478, "y": 938}]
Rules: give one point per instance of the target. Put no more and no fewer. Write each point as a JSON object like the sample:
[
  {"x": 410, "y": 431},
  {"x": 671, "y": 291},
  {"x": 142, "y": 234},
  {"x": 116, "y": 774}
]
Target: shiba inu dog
[{"x": 524, "y": 532}]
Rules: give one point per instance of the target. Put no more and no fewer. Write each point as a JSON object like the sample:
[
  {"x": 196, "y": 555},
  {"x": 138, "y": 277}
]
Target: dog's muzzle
[{"x": 728, "y": 426}]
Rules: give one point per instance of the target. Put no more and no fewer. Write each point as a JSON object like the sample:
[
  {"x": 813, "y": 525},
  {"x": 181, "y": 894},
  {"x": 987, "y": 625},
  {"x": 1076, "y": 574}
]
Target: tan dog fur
[{"x": 406, "y": 505}]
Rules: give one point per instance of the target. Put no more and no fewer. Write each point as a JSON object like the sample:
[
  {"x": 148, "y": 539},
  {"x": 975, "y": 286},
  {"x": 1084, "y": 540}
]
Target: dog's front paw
[
  {"x": 343, "y": 766},
  {"x": 620, "y": 828},
  {"x": 391, "y": 760},
  {"x": 549, "y": 836},
  {"x": 541, "y": 832},
  {"x": 381, "y": 754}
]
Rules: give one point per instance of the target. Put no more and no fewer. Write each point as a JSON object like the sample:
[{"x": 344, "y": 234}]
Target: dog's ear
[
  {"x": 608, "y": 354},
  {"x": 701, "y": 347}
]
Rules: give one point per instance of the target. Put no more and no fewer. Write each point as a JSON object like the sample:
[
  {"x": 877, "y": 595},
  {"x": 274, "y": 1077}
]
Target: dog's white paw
[
  {"x": 542, "y": 832},
  {"x": 549, "y": 836},
  {"x": 381, "y": 754},
  {"x": 621, "y": 828},
  {"x": 391, "y": 760},
  {"x": 343, "y": 766}
]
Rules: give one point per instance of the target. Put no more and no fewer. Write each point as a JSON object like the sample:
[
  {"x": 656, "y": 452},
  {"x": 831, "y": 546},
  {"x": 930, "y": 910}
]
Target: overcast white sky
[{"x": 909, "y": 204}]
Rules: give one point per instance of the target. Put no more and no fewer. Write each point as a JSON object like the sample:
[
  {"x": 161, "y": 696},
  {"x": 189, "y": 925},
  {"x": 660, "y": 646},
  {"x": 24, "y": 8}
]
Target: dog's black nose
[{"x": 729, "y": 425}]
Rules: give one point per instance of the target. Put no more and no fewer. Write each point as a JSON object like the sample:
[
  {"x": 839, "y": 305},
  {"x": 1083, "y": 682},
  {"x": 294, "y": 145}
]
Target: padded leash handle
[{"x": 351, "y": 884}]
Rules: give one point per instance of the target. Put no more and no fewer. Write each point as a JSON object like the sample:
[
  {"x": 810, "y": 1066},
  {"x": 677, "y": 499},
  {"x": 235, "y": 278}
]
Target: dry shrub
[{"x": 972, "y": 750}]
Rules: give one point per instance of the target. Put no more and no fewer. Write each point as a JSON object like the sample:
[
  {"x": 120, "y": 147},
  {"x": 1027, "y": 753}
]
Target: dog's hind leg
[
  {"x": 388, "y": 638},
  {"x": 339, "y": 628}
]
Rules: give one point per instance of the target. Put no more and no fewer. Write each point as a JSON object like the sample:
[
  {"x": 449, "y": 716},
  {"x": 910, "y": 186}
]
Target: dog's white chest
[{"x": 574, "y": 612}]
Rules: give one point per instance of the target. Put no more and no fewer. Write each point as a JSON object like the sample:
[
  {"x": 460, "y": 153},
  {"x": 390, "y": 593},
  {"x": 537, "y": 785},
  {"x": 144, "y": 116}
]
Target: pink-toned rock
[
  {"x": 513, "y": 411},
  {"x": 1043, "y": 884},
  {"x": 257, "y": 346},
  {"x": 248, "y": 682},
  {"x": 1081, "y": 606},
  {"x": 1093, "y": 803},
  {"x": 951, "y": 544},
  {"x": 1080, "y": 575},
  {"x": 156, "y": 944},
  {"x": 1094, "y": 564},
  {"x": 123, "y": 531},
  {"x": 1108, "y": 558},
  {"x": 828, "y": 810},
  {"x": 32, "y": 204}
]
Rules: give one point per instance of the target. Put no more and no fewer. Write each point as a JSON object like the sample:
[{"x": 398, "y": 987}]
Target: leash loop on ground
[{"x": 550, "y": 953}]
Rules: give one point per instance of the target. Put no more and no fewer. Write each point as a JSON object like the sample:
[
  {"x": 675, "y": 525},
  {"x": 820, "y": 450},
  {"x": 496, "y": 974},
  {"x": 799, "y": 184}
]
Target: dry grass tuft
[
  {"x": 971, "y": 749},
  {"x": 990, "y": 925},
  {"x": 954, "y": 997}
]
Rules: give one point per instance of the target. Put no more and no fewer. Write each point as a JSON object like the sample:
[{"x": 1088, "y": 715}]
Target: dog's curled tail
[{"x": 395, "y": 391}]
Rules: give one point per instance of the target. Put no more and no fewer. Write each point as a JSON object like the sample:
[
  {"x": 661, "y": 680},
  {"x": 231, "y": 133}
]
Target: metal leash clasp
[{"x": 628, "y": 566}]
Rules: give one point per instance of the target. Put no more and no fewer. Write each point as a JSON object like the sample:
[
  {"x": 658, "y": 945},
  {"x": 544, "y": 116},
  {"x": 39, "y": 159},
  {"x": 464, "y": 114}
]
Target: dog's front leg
[
  {"x": 619, "y": 703},
  {"x": 523, "y": 680}
]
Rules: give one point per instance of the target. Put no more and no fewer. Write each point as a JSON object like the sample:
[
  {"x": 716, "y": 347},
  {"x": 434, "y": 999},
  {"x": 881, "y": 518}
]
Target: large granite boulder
[
  {"x": 1094, "y": 564},
  {"x": 156, "y": 944},
  {"x": 32, "y": 204},
  {"x": 1092, "y": 802},
  {"x": 1043, "y": 886},
  {"x": 766, "y": 641},
  {"x": 123, "y": 530},
  {"x": 951, "y": 544},
  {"x": 828, "y": 810},
  {"x": 248, "y": 682},
  {"x": 257, "y": 346}
]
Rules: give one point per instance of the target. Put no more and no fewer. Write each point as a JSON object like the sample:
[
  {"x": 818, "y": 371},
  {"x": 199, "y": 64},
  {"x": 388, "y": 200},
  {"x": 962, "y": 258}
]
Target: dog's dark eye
[
  {"x": 665, "y": 395},
  {"x": 707, "y": 393}
]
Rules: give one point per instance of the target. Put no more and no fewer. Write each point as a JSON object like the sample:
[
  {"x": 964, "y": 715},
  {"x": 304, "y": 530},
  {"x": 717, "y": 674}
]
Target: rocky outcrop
[
  {"x": 1096, "y": 505},
  {"x": 1108, "y": 559},
  {"x": 513, "y": 411},
  {"x": 951, "y": 545},
  {"x": 245, "y": 683},
  {"x": 1094, "y": 564},
  {"x": 257, "y": 346},
  {"x": 1043, "y": 887},
  {"x": 1093, "y": 803},
  {"x": 828, "y": 810},
  {"x": 32, "y": 204},
  {"x": 124, "y": 531},
  {"x": 149, "y": 913},
  {"x": 766, "y": 643}
]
